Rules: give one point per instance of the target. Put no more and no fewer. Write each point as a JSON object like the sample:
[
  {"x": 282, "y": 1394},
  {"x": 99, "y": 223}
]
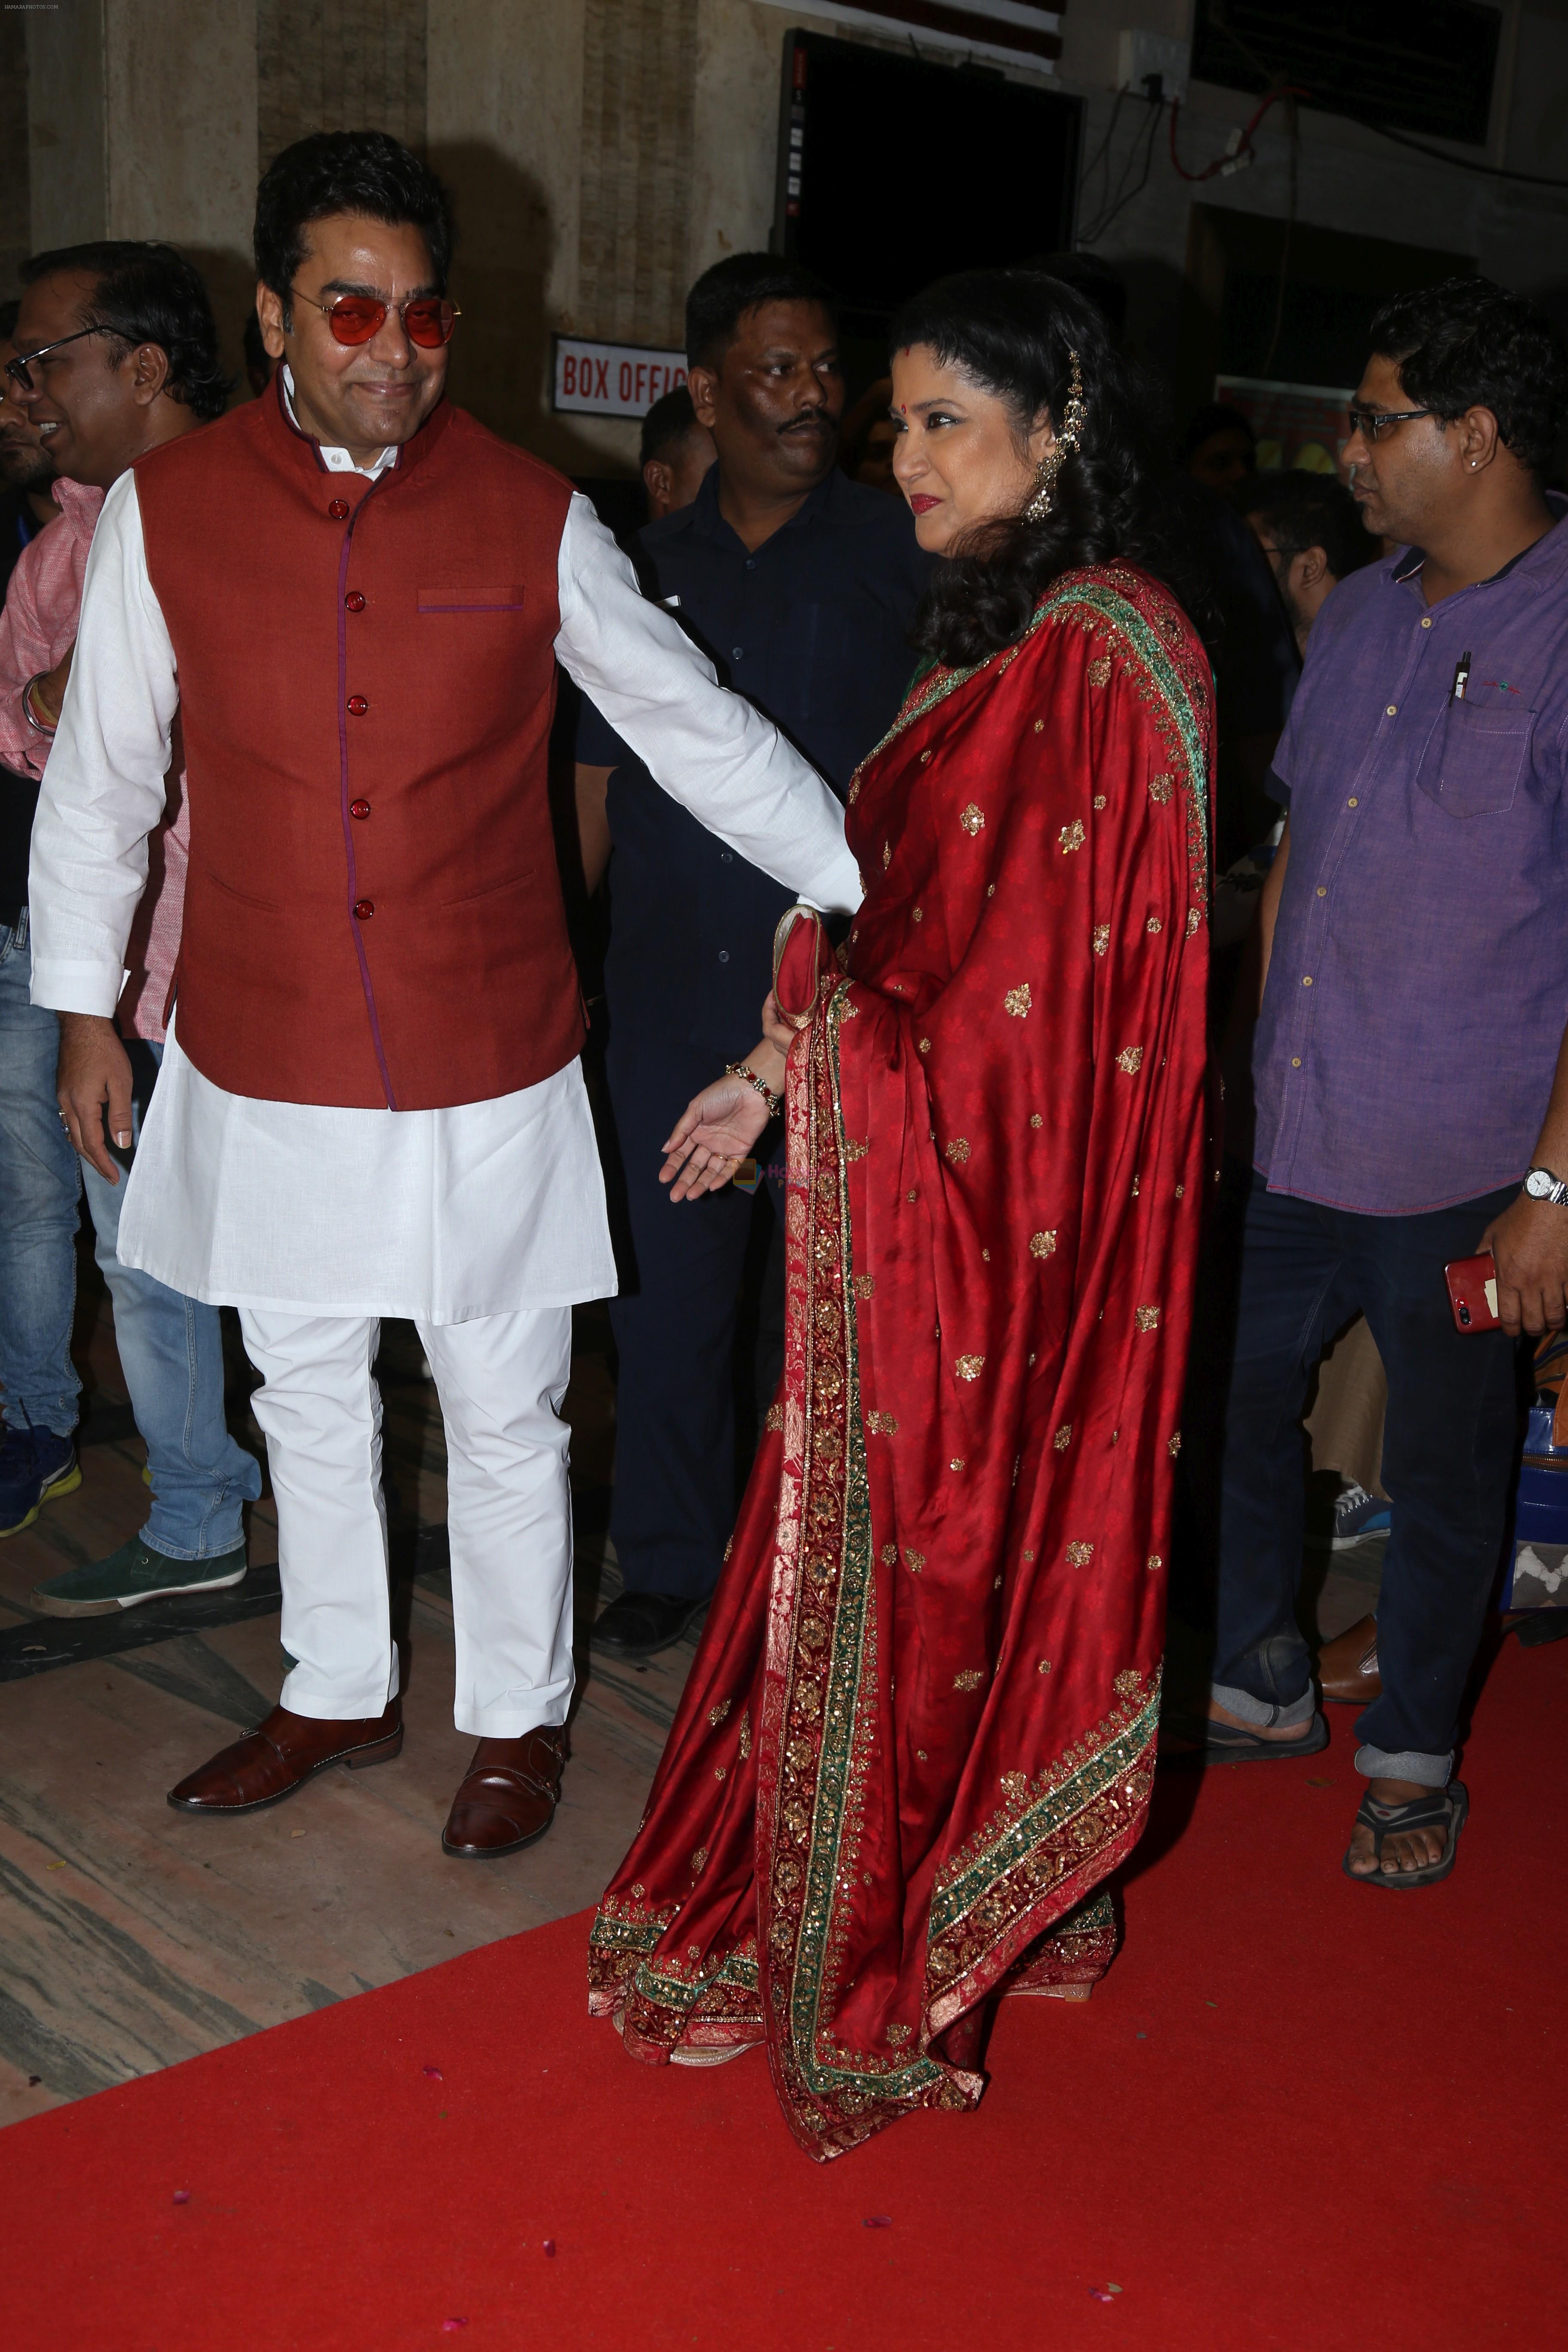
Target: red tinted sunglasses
[{"x": 428, "y": 320}]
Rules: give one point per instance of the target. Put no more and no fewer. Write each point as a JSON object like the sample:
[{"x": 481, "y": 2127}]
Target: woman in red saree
[{"x": 920, "y": 1729}]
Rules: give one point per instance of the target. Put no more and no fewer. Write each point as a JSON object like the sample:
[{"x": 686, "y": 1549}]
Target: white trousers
[{"x": 501, "y": 1380}]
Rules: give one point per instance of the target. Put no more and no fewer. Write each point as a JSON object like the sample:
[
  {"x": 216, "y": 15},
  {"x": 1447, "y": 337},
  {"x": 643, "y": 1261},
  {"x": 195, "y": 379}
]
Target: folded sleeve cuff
[{"x": 65, "y": 987}]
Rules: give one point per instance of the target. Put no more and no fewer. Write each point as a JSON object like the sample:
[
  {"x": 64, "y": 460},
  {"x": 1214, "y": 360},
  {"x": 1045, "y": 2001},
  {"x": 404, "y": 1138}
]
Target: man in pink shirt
[{"x": 114, "y": 352}]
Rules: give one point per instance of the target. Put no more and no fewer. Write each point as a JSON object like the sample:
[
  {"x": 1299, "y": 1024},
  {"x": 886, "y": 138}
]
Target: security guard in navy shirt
[{"x": 801, "y": 586}]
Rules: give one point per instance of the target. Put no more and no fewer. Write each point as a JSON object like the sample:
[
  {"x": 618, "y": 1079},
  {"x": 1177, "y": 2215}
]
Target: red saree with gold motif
[{"x": 919, "y": 1732}]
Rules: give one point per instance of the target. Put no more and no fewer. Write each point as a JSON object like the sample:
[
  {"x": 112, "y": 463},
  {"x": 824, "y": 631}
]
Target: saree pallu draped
[{"x": 919, "y": 1729}]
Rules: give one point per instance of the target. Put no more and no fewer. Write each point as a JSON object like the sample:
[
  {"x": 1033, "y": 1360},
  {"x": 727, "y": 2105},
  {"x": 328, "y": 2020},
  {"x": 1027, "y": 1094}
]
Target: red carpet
[{"x": 1299, "y": 2114}]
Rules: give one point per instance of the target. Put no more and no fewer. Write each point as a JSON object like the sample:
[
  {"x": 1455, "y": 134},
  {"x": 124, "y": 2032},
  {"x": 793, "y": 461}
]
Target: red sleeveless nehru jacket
[{"x": 374, "y": 914}]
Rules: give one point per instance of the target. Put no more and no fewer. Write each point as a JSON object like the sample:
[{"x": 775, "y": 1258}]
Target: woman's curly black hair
[{"x": 1013, "y": 332}]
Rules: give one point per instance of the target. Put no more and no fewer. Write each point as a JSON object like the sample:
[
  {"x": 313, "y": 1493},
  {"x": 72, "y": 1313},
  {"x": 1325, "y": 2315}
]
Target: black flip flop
[
  {"x": 1445, "y": 1807},
  {"x": 1233, "y": 1743}
]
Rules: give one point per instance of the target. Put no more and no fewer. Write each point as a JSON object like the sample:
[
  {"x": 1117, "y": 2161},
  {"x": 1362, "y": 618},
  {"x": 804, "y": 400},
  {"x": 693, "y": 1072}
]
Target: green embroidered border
[
  {"x": 918, "y": 2074},
  {"x": 1043, "y": 1818}
]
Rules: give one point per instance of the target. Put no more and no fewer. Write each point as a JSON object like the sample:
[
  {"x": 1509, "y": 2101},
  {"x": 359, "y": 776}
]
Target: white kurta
[{"x": 489, "y": 1208}]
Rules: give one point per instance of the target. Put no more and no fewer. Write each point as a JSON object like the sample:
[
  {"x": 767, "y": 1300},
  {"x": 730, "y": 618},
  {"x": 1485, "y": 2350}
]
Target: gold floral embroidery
[
  {"x": 1015, "y": 1787},
  {"x": 1078, "y": 1555},
  {"x": 925, "y": 1045},
  {"x": 717, "y": 1714},
  {"x": 1131, "y": 1060},
  {"x": 899, "y": 2034},
  {"x": 958, "y": 1150},
  {"x": 1153, "y": 924},
  {"x": 889, "y": 1555},
  {"x": 1161, "y": 788},
  {"x": 972, "y": 820},
  {"x": 882, "y": 1425},
  {"x": 1099, "y": 800},
  {"x": 1147, "y": 1318},
  {"x": 775, "y": 1417},
  {"x": 1175, "y": 1445},
  {"x": 1045, "y": 1665},
  {"x": 1135, "y": 1188},
  {"x": 853, "y": 794},
  {"x": 969, "y": 1679},
  {"x": 1099, "y": 671},
  {"x": 1127, "y": 1682},
  {"x": 1072, "y": 836},
  {"x": 855, "y": 1149},
  {"x": 886, "y": 854},
  {"x": 1155, "y": 1561},
  {"x": 1035, "y": 1119},
  {"x": 718, "y": 1771},
  {"x": 957, "y": 1462},
  {"x": 1039, "y": 726},
  {"x": 1018, "y": 1002},
  {"x": 917, "y": 914},
  {"x": 865, "y": 1285},
  {"x": 1102, "y": 937},
  {"x": 969, "y": 1368},
  {"x": 699, "y": 1862},
  {"x": 914, "y": 1560},
  {"x": 1043, "y": 1245},
  {"x": 1063, "y": 1437},
  {"x": 1193, "y": 919}
]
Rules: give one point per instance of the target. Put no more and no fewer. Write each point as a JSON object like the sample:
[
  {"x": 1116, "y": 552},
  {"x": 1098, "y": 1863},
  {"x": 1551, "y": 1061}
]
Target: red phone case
[{"x": 1472, "y": 1293}]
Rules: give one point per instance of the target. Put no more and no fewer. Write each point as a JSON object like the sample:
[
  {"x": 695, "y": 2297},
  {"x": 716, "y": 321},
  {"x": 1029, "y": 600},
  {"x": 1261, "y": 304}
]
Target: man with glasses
[
  {"x": 115, "y": 355},
  {"x": 371, "y": 1104},
  {"x": 1410, "y": 1065}
]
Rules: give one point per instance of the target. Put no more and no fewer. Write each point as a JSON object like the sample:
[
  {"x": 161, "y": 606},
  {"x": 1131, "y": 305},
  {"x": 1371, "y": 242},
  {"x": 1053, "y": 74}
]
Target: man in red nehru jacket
[{"x": 353, "y": 598}]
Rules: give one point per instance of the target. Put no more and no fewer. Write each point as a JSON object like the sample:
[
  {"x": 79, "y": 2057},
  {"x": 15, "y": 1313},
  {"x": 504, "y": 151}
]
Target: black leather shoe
[{"x": 640, "y": 1624}]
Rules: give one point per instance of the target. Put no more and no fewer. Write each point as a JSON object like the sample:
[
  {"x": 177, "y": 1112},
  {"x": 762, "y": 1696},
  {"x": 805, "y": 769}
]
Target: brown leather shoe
[
  {"x": 1347, "y": 1668},
  {"x": 269, "y": 1763},
  {"x": 508, "y": 1798}
]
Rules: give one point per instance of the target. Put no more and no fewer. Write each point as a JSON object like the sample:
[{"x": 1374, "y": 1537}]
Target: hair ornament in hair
[{"x": 1068, "y": 438}]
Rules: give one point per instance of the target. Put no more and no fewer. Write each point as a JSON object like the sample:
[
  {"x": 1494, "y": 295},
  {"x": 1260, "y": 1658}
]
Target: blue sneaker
[
  {"x": 1358, "y": 1514},
  {"x": 36, "y": 1467}
]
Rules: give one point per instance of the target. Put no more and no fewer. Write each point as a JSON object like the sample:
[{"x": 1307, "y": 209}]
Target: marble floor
[{"x": 132, "y": 1936}]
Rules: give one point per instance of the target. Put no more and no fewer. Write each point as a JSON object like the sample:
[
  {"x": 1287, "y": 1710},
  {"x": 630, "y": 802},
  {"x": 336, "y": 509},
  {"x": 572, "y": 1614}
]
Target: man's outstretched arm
[{"x": 709, "y": 749}]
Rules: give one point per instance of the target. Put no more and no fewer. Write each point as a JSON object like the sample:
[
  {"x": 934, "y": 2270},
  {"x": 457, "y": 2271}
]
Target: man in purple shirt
[{"x": 1410, "y": 1067}]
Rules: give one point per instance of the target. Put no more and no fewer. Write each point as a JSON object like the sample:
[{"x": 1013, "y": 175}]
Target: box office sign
[{"x": 612, "y": 379}]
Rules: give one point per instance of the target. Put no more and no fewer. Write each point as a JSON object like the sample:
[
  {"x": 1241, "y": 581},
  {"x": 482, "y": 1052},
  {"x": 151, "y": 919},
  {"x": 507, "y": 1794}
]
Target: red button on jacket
[
  {"x": 339, "y": 510},
  {"x": 358, "y": 705},
  {"x": 354, "y": 601},
  {"x": 363, "y": 910},
  {"x": 359, "y": 808}
]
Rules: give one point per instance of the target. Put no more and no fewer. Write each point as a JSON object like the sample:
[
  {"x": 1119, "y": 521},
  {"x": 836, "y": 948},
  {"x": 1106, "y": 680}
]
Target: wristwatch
[{"x": 1540, "y": 1184}]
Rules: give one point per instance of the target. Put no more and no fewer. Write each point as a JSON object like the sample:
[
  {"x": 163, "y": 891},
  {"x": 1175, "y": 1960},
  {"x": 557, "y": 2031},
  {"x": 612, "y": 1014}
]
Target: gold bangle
[{"x": 743, "y": 1070}]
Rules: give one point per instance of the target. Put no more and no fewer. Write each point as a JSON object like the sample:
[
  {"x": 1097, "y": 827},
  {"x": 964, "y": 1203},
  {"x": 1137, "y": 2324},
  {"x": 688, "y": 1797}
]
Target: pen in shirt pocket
[{"x": 1461, "y": 678}]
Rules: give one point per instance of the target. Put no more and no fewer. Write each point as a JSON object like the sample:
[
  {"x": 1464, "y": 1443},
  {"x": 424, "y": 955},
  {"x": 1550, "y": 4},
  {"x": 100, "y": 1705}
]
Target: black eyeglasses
[
  {"x": 1373, "y": 424},
  {"x": 17, "y": 369}
]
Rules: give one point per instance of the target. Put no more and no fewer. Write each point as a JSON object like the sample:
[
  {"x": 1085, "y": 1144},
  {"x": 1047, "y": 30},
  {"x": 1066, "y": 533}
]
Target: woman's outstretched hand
[{"x": 717, "y": 1129}]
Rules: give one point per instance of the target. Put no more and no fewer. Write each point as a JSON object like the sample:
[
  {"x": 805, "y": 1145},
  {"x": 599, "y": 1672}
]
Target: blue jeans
[
  {"x": 171, "y": 1352},
  {"x": 40, "y": 1192},
  {"x": 1448, "y": 1454}
]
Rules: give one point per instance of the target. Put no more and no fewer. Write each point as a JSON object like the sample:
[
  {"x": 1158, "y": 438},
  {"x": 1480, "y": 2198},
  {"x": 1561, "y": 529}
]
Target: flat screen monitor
[{"x": 894, "y": 171}]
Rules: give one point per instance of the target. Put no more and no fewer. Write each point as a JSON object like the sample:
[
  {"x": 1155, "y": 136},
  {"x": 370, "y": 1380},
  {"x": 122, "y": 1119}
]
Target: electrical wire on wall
[{"x": 1114, "y": 205}]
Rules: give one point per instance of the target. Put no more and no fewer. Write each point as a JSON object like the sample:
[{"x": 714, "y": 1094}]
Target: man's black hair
[
  {"x": 148, "y": 293},
  {"x": 9, "y": 314},
  {"x": 1300, "y": 510},
  {"x": 1214, "y": 416},
  {"x": 365, "y": 172},
  {"x": 1469, "y": 344},
  {"x": 667, "y": 425},
  {"x": 742, "y": 282}
]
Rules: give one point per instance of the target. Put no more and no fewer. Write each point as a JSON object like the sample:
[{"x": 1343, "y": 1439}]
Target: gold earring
[{"x": 1067, "y": 440}]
